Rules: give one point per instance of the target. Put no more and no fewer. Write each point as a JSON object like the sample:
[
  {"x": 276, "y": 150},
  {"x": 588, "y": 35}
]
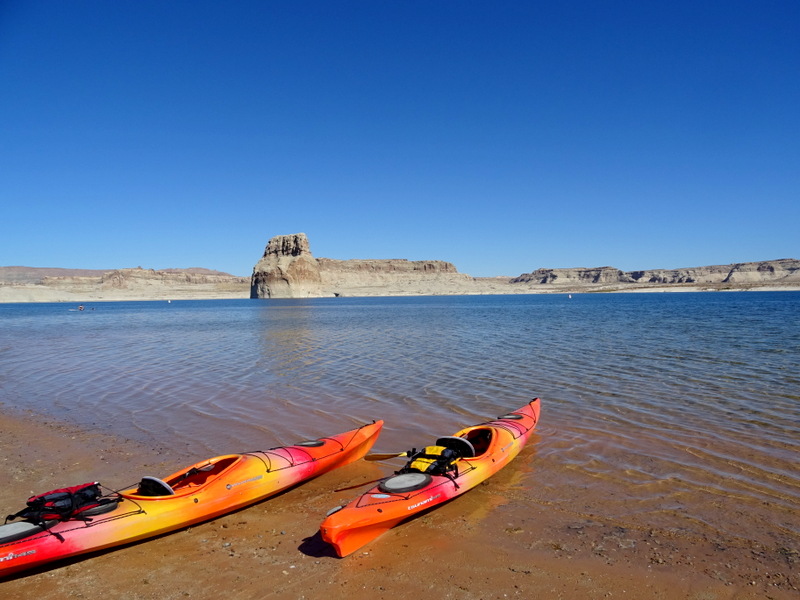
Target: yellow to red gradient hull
[
  {"x": 202, "y": 491},
  {"x": 378, "y": 510}
]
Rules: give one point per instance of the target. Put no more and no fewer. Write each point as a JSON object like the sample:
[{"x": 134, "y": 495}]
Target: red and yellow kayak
[
  {"x": 480, "y": 451},
  {"x": 197, "y": 493}
]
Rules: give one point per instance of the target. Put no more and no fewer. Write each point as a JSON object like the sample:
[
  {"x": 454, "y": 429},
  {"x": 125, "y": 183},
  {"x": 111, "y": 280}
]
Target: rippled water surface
[{"x": 658, "y": 409}]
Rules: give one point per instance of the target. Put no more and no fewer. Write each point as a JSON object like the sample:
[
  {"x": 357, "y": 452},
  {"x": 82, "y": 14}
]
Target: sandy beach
[{"x": 483, "y": 545}]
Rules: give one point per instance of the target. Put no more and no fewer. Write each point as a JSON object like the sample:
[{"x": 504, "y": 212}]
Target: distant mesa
[
  {"x": 288, "y": 269},
  {"x": 781, "y": 272},
  {"x": 36, "y": 284}
]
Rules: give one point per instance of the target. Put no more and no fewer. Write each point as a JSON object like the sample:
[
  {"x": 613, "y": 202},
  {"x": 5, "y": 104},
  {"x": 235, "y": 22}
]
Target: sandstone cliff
[
  {"x": 784, "y": 272},
  {"x": 289, "y": 270}
]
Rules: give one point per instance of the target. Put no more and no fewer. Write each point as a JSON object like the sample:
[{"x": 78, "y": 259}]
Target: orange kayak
[
  {"x": 435, "y": 475},
  {"x": 200, "y": 492}
]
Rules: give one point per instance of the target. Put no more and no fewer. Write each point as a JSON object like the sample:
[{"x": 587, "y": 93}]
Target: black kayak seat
[
  {"x": 153, "y": 486},
  {"x": 460, "y": 445}
]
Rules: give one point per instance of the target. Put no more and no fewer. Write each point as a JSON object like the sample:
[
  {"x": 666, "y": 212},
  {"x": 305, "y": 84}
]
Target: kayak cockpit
[
  {"x": 202, "y": 473},
  {"x": 479, "y": 437},
  {"x": 186, "y": 481}
]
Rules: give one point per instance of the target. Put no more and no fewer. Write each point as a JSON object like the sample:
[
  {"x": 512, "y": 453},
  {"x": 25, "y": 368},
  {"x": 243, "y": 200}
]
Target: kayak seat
[
  {"x": 152, "y": 486},
  {"x": 461, "y": 445}
]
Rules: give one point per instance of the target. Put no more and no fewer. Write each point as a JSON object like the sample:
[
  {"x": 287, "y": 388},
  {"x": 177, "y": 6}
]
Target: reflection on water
[{"x": 660, "y": 404}]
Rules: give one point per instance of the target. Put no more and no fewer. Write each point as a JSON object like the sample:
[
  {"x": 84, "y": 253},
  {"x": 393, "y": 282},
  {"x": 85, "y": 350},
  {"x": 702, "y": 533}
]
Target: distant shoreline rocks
[
  {"x": 32, "y": 284},
  {"x": 288, "y": 269},
  {"x": 784, "y": 271}
]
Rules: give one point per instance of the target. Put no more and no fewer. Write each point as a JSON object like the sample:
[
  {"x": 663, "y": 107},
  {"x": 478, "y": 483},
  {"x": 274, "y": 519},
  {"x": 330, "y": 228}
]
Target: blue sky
[{"x": 500, "y": 136}]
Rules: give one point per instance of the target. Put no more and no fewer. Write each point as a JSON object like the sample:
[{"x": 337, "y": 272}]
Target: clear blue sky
[{"x": 500, "y": 136}]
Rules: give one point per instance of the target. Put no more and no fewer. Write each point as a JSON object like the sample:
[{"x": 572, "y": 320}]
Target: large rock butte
[{"x": 289, "y": 270}]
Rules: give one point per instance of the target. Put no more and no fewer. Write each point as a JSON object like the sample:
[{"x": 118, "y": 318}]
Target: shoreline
[
  {"x": 288, "y": 270},
  {"x": 272, "y": 549},
  {"x": 36, "y": 295}
]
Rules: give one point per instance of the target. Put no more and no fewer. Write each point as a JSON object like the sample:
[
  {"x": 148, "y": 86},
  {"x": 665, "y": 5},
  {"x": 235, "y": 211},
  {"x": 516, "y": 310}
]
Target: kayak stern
[{"x": 346, "y": 538}]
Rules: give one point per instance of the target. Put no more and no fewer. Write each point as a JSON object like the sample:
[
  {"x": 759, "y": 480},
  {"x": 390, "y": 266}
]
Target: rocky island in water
[{"x": 288, "y": 269}]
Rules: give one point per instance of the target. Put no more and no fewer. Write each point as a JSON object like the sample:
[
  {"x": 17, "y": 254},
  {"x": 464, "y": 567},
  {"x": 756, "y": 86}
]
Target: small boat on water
[
  {"x": 54, "y": 526},
  {"x": 454, "y": 465}
]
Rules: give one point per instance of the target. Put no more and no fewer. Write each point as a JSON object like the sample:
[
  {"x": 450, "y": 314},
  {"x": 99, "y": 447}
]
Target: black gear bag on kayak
[{"x": 60, "y": 505}]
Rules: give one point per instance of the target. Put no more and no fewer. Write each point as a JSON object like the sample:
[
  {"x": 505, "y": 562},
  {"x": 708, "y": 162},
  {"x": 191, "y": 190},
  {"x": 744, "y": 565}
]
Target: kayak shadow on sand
[{"x": 316, "y": 547}]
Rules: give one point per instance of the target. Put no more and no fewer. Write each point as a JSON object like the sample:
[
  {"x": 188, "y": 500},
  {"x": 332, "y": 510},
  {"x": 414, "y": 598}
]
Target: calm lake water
[{"x": 670, "y": 410}]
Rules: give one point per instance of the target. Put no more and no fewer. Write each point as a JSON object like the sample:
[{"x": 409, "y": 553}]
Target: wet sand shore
[{"x": 487, "y": 544}]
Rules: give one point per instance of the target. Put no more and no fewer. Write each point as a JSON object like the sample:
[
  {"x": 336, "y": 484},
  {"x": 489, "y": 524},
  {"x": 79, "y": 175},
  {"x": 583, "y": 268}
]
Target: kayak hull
[
  {"x": 201, "y": 492},
  {"x": 378, "y": 510}
]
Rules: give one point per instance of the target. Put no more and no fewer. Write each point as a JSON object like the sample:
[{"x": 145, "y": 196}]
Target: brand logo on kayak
[
  {"x": 12, "y": 556},
  {"x": 424, "y": 502},
  {"x": 230, "y": 486}
]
